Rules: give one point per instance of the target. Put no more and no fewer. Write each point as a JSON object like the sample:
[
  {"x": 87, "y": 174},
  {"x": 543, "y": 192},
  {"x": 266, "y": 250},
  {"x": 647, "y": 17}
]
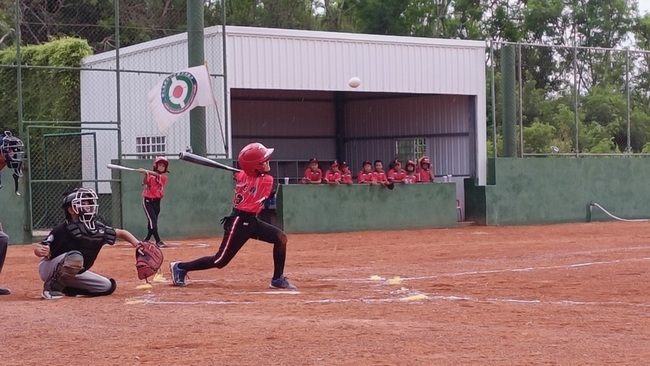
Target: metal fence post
[
  {"x": 494, "y": 99},
  {"x": 521, "y": 102},
  {"x": 628, "y": 149},
  {"x": 575, "y": 97}
]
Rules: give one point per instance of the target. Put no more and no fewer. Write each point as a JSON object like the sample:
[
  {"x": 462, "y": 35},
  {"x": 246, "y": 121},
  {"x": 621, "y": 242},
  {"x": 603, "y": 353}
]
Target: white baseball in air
[{"x": 354, "y": 82}]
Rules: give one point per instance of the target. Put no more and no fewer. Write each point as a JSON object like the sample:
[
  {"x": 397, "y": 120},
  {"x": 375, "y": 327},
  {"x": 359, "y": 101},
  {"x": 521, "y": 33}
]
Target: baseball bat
[
  {"x": 120, "y": 167},
  {"x": 200, "y": 160}
]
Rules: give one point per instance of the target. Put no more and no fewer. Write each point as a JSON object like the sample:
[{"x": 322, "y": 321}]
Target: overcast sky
[{"x": 644, "y": 6}]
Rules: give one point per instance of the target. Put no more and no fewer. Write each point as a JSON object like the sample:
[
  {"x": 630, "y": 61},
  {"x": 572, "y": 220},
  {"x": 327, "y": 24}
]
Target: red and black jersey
[
  {"x": 251, "y": 192},
  {"x": 380, "y": 176},
  {"x": 346, "y": 178},
  {"x": 155, "y": 186},
  {"x": 424, "y": 176},
  {"x": 411, "y": 178},
  {"x": 332, "y": 177},
  {"x": 313, "y": 175},
  {"x": 364, "y": 177},
  {"x": 397, "y": 175}
]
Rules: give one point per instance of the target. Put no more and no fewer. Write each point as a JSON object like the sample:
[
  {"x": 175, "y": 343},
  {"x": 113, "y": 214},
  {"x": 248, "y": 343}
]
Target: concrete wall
[
  {"x": 323, "y": 208},
  {"x": 12, "y": 209},
  {"x": 554, "y": 190}
]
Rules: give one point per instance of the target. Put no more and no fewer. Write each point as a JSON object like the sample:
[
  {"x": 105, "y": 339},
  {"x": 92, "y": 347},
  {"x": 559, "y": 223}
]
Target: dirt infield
[{"x": 569, "y": 294}]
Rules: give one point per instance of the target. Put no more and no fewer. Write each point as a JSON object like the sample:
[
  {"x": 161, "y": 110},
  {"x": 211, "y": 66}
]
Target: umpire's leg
[{"x": 4, "y": 244}]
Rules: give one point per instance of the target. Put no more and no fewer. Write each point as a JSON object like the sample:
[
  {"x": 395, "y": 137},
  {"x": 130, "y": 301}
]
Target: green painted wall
[
  {"x": 475, "y": 205},
  {"x": 324, "y": 208},
  {"x": 12, "y": 209},
  {"x": 196, "y": 198},
  {"x": 553, "y": 190}
]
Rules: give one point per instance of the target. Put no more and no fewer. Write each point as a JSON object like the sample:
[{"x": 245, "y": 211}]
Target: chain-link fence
[
  {"x": 75, "y": 91},
  {"x": 57, "y": 168},
  {"x": 569, "y": 100}
]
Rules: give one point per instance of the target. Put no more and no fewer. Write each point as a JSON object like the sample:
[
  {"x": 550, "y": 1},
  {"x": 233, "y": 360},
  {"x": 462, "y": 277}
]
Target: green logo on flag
[{"x": 178, "y": 92}]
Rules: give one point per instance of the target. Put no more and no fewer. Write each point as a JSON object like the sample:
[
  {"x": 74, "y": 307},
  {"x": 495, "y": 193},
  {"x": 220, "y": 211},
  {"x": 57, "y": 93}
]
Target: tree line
[{"x": 574, "y": 98}]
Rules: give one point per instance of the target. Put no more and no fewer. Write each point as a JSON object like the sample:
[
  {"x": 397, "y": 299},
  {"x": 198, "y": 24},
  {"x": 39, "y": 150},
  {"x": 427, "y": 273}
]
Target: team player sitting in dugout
[
  {"x": 346, "y": 174},
  {"x": 423, "y": 170},
  {"x": 333, "y": 175},
  {"x": 313, "y": 174},
  {"x": 380, "y": 175},
  {"x": 410, "y": 177},
  {"x": 396, "y": 174},
  {"x": 366, "y": 175}
]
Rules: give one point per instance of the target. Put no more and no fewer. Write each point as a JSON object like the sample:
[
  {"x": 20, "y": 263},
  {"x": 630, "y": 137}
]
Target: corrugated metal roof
[{"x": 266, "y": 58}]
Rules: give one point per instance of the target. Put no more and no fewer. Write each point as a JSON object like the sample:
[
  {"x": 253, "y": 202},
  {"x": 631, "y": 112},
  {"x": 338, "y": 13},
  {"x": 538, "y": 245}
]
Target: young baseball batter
[
  {"x": 154, "y": 190},
  {"x": 4, "y": 244},
  {"x": 72, "y": 247},
  {"x": 253, "y": 186}
]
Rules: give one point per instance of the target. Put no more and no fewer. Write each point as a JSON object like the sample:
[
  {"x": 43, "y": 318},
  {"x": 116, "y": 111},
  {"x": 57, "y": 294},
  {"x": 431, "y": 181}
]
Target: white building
[{"x": 288, "y": 89}]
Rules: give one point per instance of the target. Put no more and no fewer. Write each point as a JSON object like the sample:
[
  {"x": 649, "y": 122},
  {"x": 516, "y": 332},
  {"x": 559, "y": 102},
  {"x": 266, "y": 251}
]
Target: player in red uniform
[
  {"x": 423, "y": 171},
  {"x": 333, "y": 175},
  {"x": 346, "y": 174},
  {"x": 396, "y": 174},
  {"x": 313, "y": 174},
  {"x": 253, "y": 186},
  {"x": 154, "y": 182},
  {"x": 380, "y": 175},
  {"x": 367, "y": 176},
  {"x": 410, "y": 177}
]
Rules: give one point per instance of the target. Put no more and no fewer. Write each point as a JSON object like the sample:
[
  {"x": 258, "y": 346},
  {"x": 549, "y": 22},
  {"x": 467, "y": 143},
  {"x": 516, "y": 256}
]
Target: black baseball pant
[
  {"x": 238, "y": 228},
  {"x": 152, "y": 210}
]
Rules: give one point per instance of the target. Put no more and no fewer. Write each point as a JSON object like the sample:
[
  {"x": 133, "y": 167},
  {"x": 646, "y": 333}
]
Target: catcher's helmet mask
[
  {"x": 13, "y": 150},
  {"x": 83, "y": 202}
]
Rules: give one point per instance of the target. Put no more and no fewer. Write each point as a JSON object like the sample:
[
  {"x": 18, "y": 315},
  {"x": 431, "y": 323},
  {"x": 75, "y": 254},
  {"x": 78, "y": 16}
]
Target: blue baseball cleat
[
  {"x": 178, "y": 275},
  {"x": 282, "y": 283}
]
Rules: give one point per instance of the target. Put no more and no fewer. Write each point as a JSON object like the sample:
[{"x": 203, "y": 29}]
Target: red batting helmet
[
  {"x": 425, "y": 160},
  {"x": 252, "y": 156},
  {"x": 163, "y": 160},
  {"x": 410, "y": 162}
]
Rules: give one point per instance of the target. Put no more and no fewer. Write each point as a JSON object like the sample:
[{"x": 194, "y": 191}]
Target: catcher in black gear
[{"x": 72, "y": 247}]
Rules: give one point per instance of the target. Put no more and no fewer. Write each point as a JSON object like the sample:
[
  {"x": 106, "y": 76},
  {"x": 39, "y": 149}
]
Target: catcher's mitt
[{"x": 148, "y": 259}]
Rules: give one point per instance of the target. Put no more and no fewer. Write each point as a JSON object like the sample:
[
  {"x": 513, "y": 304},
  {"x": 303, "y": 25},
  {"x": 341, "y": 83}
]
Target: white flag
[{"x": 177, "y": 94}]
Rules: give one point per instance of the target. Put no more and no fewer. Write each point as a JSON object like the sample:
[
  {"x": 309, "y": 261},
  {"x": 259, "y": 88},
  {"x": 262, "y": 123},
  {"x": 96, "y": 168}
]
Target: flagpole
[
  {"x": 216, "y": 107},
  {"x": 196, "y": 57}
]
